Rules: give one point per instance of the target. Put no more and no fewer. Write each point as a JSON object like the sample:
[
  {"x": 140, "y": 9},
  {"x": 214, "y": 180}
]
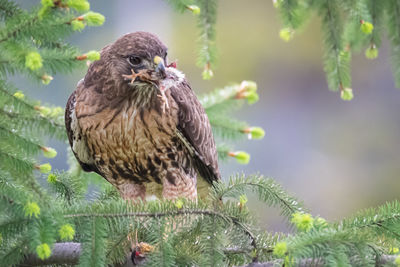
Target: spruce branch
[
  {"x": 266, "y": 188},
  {"x": 393, "y": 24},
  {"x": 206, "y": 22}
]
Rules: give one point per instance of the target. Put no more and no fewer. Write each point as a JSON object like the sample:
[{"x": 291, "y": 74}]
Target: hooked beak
[{"x": 160, "y": 69}]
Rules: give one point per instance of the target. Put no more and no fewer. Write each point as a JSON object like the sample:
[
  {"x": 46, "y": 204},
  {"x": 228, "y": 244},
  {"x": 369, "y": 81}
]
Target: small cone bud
[
  {"x": 57, "y": 111},
  {"x": 49, "y": 152},
  {"x": 79, "y": 5},
  {"x": 31, "y": 209},
  {"x": 303, "y": 221},
  {"x": 248, "y": 86},
  {"x": 280, "y": 249},
  {"x": 394, "y": 250},
  {"x": 44, "y": 111},
  {"x": 397, "y": 261},
  {"x": 44, "y": 168},
  {"x": 195, "y": 9},
  {"x": 94, "y": 19},
  {"x": 240, "y": 156},
  {"x": 47, "y": 3},
  {"x": 179, "y": 203},
  {"x": 33, "y": 61},
  {"x": 286, "y": 34},
  {"x": 276, "y": 3},
  {"x": 43, "y": 251},
  {"x": 46, "y": 79},
  {"x": 52, "y": 178},
  {"x": 78, "y": 25},
  {"x": 207, "y": 73},
  {"x": 346, "y": 94},
  {"x": 371, "y": 52},
  {"x": 66, "y": 232},
  {"x": 19, "y": 95},
  {"x": 252, "y": 97},
  {"x": 243, "y": 200},
  {"x": 93, "y": 55},
  {"x": 366, "y": 27},
  {"x": 255, "y": 132}
]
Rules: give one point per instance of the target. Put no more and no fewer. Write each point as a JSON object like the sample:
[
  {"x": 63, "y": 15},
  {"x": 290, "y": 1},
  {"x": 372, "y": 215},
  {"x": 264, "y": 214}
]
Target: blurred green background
[{"x": 337, "y": 156}]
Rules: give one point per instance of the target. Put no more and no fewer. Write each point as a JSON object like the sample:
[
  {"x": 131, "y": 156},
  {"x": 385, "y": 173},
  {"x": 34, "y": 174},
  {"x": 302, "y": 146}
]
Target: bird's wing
[
  {"x": 194, "y": 129},
  {"x": 75, "y": 136}
]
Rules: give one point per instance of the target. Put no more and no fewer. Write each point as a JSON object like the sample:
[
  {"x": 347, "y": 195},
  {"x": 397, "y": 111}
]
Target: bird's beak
[{"x": 160, "y": 66}]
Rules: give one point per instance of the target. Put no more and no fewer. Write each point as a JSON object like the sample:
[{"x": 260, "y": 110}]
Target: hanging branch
[{"x": 206, "y": 21}]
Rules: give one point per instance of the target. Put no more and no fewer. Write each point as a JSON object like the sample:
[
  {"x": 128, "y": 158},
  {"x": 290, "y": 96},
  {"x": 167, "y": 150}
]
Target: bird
[{"x": 136, "y": 121}]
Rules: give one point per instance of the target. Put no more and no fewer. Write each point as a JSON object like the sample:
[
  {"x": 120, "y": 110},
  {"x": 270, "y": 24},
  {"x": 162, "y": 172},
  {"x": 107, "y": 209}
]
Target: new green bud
[
  {"x": 276, "y": 3},
  {"x": 286, "y": 34},
  {"x": 33, "y": 61},
  {"x": 46, "y": 79},
  {"x": 366, "y": 27},
  {"x": 94, "y": 18},
  {"x": 207, "y": 74},
  {"x": 179, "y": 203},
  {"x": 346, "y": 94},
  {"x": 255, "y": 132},
  {"x": 280, "y": 249},
  {"x": 44, "y": 111},
  {"x": 252, "y": 97},
  {"x": 52, "y": 178},
  {"x": 303, "y": 221},
  {"x": 19, "y": 95},
  {"x": 371, "y": 52},
  {"x": 240, "y": 156},
  {"x": 66, "y": 232},
  {"x": 397, "y": 261},
  {"x": 43, "y": 11},
  {"x": 243, "y": 200},
  {"x": 56, "y": 111},
  {"x": 78, "y": 25},
  {"x": 79, "y": 5},
  {"x": 49, "y": 152},
  {"x": 248, "y": 86},
  {"x": 31, "y": 208},
  {"x": 195, "y": 9},
  {"x": 93, "y": 55},
  {"x": 43, "y": 251},
  {"x": 47, "y": 3},
  {"x": 45, "y": 168},
  {"x": 394, "y": 250}
]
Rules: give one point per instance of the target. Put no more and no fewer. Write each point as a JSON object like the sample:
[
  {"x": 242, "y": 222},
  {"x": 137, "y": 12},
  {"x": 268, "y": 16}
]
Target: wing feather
[
  {"x": 195, "y": 127},
  {"x": 75, "y": 137}
]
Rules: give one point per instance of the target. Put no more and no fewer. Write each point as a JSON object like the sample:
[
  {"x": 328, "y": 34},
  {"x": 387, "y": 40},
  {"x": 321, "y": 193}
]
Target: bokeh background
[{"x": 338, "y": 157}]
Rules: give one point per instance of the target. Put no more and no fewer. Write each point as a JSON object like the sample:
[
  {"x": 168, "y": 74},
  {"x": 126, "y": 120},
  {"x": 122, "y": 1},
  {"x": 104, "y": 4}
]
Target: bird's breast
[{"x": 133, "y": 143}]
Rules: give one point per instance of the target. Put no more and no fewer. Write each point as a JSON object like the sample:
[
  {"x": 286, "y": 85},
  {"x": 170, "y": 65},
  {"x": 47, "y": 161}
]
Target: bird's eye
[{"x": 135, "y": 60}]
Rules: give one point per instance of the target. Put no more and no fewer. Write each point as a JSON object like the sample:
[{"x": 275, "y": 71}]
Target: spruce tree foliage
[
  {"x": 347, "y": 27},
  {"x": 40, "y": 206}
]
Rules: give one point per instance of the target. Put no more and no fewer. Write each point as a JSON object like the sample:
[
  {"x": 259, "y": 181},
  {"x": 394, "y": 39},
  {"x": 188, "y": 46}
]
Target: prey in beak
[{"x": 156, "y": 76}]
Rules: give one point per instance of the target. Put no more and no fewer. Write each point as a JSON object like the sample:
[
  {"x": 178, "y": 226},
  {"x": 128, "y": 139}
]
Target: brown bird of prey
[{"x": 136, "y": 121}]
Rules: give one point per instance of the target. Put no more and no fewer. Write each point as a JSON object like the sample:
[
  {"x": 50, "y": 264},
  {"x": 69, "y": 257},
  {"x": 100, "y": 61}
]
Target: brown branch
[
  {"x": 61, "y": 253},
  {"x": 68, "y": 253}
]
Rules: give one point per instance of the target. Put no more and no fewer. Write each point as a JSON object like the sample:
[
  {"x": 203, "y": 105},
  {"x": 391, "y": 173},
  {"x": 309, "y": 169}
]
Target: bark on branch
[{"x": 69, "y": 252}]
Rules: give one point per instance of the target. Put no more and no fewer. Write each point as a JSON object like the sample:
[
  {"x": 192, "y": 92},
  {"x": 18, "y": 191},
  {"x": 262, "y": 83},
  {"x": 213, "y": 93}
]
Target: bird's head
[{"x": 138, "y": 52}]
